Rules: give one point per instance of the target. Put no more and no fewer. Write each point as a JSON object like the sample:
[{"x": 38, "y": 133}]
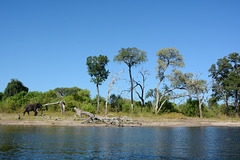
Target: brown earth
[{"x": 12, "y": 119}]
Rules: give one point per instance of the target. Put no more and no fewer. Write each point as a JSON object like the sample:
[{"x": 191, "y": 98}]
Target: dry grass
[{"x": 147, "y": 119}]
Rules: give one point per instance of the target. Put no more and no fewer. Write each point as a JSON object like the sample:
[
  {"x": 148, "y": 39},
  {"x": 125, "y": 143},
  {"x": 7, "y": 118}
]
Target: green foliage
[
  {"x": 148, "y": 106},
  {"x": 14, "y": 87},
  {"x": 168, "y": 57},
  {"x": 101, "y": 101},
  {"x": 191, "y": 108},
  {"x": 226, "y": 73},
  {"x": 116, "y": 103},
  {"x": 130, "y": 56},
  {"x": 71, "y": 102},
  {"x": 88, "y": 107},
  {"x": 1, "y": 96},
  {"x": 79, "y": 99},
  {"x": 84, "y": 95},
  {"x": 14, "y": 103},
  {"x": 35, "y": 97},
  {"x": 168, "y": 107},
  {"x": 67, "y": 91},
  {"x": 126, "y": 107},
  {"x": 96, "y": 68},
  {"x": 49, "y": 97}
]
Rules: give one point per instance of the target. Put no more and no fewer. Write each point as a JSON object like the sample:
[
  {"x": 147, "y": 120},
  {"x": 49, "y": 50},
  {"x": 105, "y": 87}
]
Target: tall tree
[
  {"x": 131, "y": 57},
  {"x": 226, "y": 75},
  {"x": 167, "y": 57},
  {"x": 219, "y": 72},
  {"x": 14, "y": 87},
  {"x": 96, "y": 69}
]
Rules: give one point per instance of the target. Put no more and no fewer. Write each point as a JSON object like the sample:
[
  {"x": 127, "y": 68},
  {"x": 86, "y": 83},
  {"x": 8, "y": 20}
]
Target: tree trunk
[
  {"x": 236, "y": 104},
  {"x": 130, "y": 74},
  {"x": 143, "y": 103},
  {"x": 98, "y": 100},
  {"x": 200, "y": 109},
  {"x": 157, "y": 99},
  {"x": 106, "y": 108}
]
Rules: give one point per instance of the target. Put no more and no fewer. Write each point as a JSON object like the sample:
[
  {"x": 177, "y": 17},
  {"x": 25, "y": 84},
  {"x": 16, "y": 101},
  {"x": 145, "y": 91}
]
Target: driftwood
[
  {"x": 61, "y": 103},
  {"x": 118, "y": 121}
]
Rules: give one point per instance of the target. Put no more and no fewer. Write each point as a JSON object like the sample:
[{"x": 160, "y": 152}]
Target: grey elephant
[{"x": 33, "y": 107}]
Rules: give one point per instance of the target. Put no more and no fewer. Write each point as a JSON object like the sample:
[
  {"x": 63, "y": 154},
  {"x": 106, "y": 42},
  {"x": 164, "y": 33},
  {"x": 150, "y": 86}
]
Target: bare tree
[
  {"x": 112, "y": 81},
  {"x": 142, "y": 86}
]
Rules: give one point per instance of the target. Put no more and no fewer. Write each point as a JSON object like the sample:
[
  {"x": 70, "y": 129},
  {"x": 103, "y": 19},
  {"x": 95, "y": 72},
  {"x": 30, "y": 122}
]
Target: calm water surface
[{"x": 21, "y": 142}]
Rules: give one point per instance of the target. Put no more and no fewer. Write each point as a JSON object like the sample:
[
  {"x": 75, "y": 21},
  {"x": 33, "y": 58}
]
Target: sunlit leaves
[{"x": 96, "y": 68}]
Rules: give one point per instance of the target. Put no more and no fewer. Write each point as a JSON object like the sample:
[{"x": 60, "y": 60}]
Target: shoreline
[
  {"x": 141, "y": 123},
  {"x": 168, "y": 120}
]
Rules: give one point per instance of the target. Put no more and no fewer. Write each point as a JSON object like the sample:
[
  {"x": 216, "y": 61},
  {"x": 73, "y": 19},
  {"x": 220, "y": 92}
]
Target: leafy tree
[
  {"x": 220, "y": 73},
  {"x": 1, "y": 96},
  {"x": 14, "y": 87},
  {"x": 67, "y": 91},
  {"x": 116, "y": 102},
  {"x": 191, "y": 108},
  {"x": 131, "y": 57},
  {"x": 96, "y": 69},
  {"x": 195, "y": 87},
  {"x": 84, "y": 96},
  {"x": 167, "y": 57},
  {"x": 100, "y": 99},
  {"x": 149, "y": 105},
  {"x": 35, "y": 97},
  {"x": 226, "y": 75}
]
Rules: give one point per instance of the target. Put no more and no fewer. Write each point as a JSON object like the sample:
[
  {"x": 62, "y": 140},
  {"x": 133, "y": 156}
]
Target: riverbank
[{"x": 160, "y": 121}]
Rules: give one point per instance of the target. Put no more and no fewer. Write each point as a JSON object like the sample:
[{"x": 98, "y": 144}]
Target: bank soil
[{"x": 7, "y": 119}]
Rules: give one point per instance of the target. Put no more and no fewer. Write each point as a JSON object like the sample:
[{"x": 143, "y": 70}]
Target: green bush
[
  {"x": 192, "y": 109},
  {"x": 88, "y": 108},
  {"x": 126, "y": 107}
]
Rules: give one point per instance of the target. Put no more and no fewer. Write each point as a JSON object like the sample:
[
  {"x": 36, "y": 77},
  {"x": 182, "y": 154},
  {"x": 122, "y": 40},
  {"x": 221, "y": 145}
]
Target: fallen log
[
  {"x": 50, "y": 104},
  {"x": 61, "y": 103},
  {"x": 119, "y": 121}
]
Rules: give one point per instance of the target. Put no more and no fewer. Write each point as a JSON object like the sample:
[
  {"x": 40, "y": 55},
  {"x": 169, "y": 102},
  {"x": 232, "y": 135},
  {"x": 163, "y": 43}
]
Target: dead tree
[
  {"x": 142, "y": 86},
  {"x": 61, "y": 103},
  {"x": 118, "y": 121},
  {"x": 112, "y": 81}
]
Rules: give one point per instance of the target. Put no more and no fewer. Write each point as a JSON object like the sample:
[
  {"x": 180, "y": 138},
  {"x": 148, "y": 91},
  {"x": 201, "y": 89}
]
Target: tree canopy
[
  {"x": 14, "y": 87},
  {"x": 226, "y": 73}
]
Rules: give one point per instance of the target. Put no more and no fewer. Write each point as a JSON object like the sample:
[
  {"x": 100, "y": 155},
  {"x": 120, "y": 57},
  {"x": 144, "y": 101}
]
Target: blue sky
[{"x": 45, "y": 43}]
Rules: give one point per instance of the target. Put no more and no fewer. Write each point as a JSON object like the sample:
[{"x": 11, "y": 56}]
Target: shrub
[
  {"x": 126, "y": 107},
  {"x": 88, "y": 108}
]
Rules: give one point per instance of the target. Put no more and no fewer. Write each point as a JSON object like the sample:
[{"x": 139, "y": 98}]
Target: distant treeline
[
  {"x": 225, "y": 86},
  {"x": 16, "y": 96}
]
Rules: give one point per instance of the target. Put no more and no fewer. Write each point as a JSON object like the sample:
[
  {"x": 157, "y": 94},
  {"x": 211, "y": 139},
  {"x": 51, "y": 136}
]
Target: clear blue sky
[{"x": 45, "y": 43}]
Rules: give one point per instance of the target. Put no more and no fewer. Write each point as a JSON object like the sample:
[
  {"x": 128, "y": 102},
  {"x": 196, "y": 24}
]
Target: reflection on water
[{"x": 21, "y": 142}]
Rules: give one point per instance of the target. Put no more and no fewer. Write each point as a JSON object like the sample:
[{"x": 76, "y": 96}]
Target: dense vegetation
[{"x": 225, "y": 77}]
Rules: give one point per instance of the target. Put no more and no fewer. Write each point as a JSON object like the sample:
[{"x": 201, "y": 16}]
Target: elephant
[{"x": 33, "y": 107}]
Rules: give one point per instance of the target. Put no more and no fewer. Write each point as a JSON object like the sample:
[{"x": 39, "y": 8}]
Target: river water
[{"x": 47, "y": 142}]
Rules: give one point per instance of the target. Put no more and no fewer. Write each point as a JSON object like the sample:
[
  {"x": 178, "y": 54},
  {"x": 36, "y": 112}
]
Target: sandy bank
[{"x": 141, "y": 123}]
